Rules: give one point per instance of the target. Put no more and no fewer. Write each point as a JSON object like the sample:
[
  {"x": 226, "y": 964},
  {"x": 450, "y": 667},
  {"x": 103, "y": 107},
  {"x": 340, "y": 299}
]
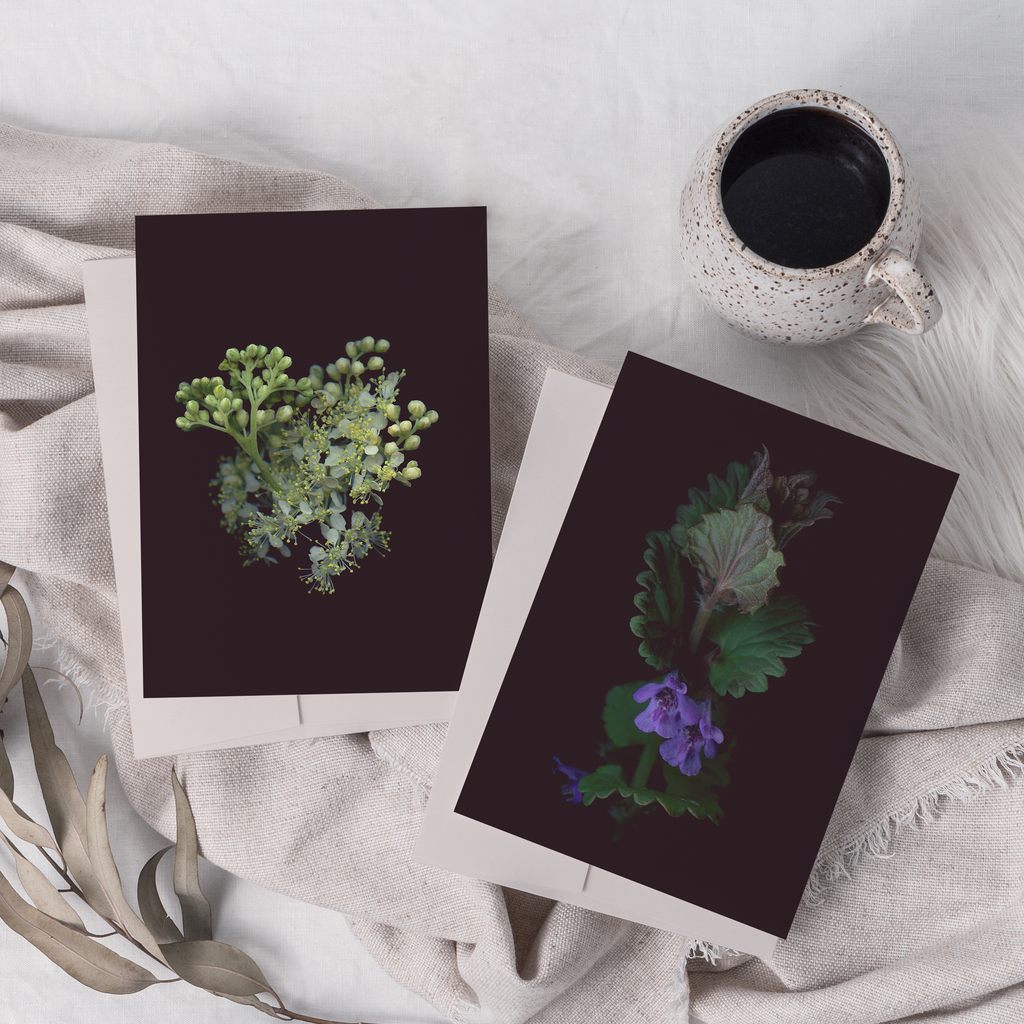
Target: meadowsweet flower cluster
[{"x": 309, "y": 450}]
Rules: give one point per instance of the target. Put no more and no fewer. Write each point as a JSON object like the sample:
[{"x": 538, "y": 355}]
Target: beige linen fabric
[{"x": 932, "y": 929}]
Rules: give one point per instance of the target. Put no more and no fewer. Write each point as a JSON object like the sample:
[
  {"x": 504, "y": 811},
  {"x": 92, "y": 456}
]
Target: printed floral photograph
[
  {"x": 705, "y": 645},
  {"x": 315, "y": 428}
]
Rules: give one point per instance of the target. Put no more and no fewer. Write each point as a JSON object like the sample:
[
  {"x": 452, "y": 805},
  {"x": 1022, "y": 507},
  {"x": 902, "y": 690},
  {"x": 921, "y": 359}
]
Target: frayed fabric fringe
[{"x": 997, "y": 772}]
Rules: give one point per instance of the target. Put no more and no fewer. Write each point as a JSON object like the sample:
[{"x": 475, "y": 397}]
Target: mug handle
[{"x": 914, "y": 308}]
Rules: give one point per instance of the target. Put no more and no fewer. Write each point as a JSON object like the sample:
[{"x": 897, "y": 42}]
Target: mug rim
[{"x": 821, "y": 99}]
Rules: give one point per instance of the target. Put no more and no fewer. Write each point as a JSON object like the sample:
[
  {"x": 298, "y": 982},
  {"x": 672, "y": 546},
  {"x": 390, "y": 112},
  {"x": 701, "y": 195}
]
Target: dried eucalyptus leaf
[
  {"x": 258, "y": 1004},
  {"x": 102, "y": 858},
  {"x": 6, "y": 771},
  {"x": 19, "y": 640},
  {"x": 42, "y": 891},
  {"x": 23, "y": 826},
  {"x": 85, "y": 959},
  {"x": 151, "y": 907},
  {"x": 196, "y": 913},
  {"x": 217, "y": 967},
  {"x": 63, "y": 799}
]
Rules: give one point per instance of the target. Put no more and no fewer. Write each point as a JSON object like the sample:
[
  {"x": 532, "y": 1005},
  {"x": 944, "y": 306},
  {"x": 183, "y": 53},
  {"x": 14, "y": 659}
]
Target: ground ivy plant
[
  {"x": 308, "y": 452},
  {"x": 713, "y": 628}
]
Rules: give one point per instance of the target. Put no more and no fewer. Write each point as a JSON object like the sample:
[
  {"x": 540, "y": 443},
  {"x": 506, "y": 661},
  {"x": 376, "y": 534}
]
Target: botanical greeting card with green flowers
[
  {"x": 705, "y": 645},
  {"x": 315, "y": 473}
]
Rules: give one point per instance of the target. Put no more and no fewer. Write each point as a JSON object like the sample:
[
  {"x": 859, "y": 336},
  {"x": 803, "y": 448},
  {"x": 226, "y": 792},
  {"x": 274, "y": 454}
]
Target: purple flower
[
  {"x": 683, "y": 750},
  {"x": 662, "y": 715},
  {"x": 571, "y": 789}
]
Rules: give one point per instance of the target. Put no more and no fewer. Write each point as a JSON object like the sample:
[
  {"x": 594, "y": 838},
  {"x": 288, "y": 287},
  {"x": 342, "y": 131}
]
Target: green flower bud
[
  {"x": 411, "y": 444},
  {"x": 411, "y": 472},
  {"x": 382, "y": 345},
  {"x": 432, "y": 416},
  {"x": 284, "y": 414},
  {"x": 285, "y": 363},
  {"x": 261, "y": 351},
  {"x": 275, "y": 355},
  {"x": 183, "y": 423},
  {"x": 405, "y": 427},
  {"x": 422, "y": 424},
  {"x": 224, "y": 405},
  {"x": 375, "y": 363},
  {"x": 366, "y": 345},
  {"x": 334, "y": 390},
  {"x": 358, "y": 369},
  {"x": 343, "y": 365},
  {"x": 261, "y": 392},
  {"x": 204, "y": 416},
  {"x": 251, "y": 351},
  {"x": 333, "y": 372},
  {"x": 390, "y": 448},
  {"x": 416, "y": 409},
  {"x": 183, "y": 396},
  {"x": 219, "y": 417},
  {"x": 233, "y": 355},
  {"x": 352, "y": 350},
  {"x": 302, "y": 384},
  {"x": 192, "y": 407},
  {"x": 316, "y": 377},
  {"x": 393, "y": 412},
  {"x": 242, "y": 417},
  {"x": 236, "y": 403},
  {"x": 394, "y": 430}
]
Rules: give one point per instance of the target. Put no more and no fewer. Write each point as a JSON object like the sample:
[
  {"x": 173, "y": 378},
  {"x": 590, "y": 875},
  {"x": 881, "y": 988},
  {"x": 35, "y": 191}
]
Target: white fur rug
[{"x": 954, "y": 396}]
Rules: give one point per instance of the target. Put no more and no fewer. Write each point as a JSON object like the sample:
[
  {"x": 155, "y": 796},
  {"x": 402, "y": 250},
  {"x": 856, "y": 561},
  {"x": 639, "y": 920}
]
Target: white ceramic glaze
[{"x": 877, "y": 284}]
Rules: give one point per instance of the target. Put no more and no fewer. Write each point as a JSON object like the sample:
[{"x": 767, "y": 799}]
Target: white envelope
[
  {"x": 544, "y": 489},
  {"x": 169, "y": 725}
]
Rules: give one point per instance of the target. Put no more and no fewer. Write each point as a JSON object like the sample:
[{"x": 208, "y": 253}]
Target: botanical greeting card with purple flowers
[{"x": 705, "y": 644}]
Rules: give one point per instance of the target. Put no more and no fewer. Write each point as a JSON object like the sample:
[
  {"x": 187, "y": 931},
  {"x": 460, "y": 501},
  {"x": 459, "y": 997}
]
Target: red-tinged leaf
[
  {"x": 217, "y": 967},
  {"x": 196, "y": 913},
  {"x": 151, "y": 907},
  {"x": 42, "y": 891},
  {"x": 85, "y": 959},
  {"x": 102, "y": 859},
  {"x": 64, "y": 804},
  {"x": 19, "y": 640}
]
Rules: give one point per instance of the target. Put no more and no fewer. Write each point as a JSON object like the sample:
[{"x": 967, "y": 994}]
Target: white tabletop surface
[{"x": 575, "y": 123}]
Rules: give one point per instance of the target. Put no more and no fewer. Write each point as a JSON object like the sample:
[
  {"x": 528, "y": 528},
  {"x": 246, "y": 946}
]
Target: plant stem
[
  {"x": 643, "y": 769},
  {"x": 707, "y": 606}
]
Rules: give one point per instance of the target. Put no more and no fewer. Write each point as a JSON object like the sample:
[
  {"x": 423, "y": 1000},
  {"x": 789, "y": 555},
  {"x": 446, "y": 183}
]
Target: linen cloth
[{"x": 916, "y": 905}]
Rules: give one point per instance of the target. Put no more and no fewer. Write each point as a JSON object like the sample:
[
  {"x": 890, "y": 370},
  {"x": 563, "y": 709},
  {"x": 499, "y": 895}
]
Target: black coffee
[{"x": 805, "y": 188}]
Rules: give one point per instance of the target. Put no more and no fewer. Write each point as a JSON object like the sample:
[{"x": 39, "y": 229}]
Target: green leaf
[
  {"x": 82, "y": 957},
  {"x": 217, "y": 967},
  {"x": 698, "y": 790},
  {"x": 102, "y": 859},
  {"x": 196, "y": 914},
  {"x": 602, "y": 783},
  {"x": 662, "y": 602},
  {"x": 720, "y": 494},
  {"x": 619, "y": 711},
  {"x": 158, "y": 921},
  {"x": 64, "y": 804},
  {"x": 734, "y": 552},
  {"x": 42, "y": 891},
  {"x": 19, "y": 640},
  {"x": 752, "y": 646}
]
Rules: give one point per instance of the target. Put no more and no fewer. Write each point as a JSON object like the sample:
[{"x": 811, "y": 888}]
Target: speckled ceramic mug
[{"x": 823, "y": 163}]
